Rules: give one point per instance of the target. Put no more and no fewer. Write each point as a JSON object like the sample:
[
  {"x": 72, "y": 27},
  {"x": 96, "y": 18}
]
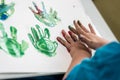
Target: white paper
[{"x": 23, "y": 19}]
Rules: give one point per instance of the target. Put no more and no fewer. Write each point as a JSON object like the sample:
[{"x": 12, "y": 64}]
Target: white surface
[
  {"x": 33, "y": 61},
  {"x": 23, "y": 19}
]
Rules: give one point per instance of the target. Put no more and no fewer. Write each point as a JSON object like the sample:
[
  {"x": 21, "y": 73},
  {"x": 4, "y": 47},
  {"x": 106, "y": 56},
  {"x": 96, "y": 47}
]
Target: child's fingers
[
  {"x": 83, "y": 27},
  {"x": 79, "y": 29},
  {"x": 85, "y": 39},
  {"x": 67, "y": 37},
  {"x": 91, "y": 29},
  {"x": 72, "y": 29},
  {"x": 63, "y": 42},
  {"x": 72, "y": 35}
]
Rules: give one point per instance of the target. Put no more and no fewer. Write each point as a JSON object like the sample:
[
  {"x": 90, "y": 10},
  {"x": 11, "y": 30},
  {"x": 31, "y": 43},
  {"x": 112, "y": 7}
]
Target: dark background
[{"x": 110, "y": 10}]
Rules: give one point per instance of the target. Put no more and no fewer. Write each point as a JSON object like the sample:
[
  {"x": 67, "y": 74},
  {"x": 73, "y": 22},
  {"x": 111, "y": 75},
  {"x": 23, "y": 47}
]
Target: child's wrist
[{"x": 81, "y": 55}]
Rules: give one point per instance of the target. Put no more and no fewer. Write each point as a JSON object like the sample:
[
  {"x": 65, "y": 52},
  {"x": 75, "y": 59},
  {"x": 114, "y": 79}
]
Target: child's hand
[
  {"x": 74, "y": 46},
  {"x": 88, "y": 37}
]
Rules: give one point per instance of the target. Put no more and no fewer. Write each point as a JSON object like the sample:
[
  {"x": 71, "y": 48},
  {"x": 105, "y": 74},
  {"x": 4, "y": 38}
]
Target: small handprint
[
  {"x": 6, "y": 10},
  {"x": 49, "y": 19},
  {"x": 11, "y": 45},
  {"x": 41, "y": 41}
]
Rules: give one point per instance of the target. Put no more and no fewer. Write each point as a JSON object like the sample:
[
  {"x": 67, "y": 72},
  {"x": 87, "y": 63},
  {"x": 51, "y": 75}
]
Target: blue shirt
[{"x": 104, "y": 65}]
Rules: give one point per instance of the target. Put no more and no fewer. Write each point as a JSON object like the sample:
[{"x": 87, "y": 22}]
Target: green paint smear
[
  {"x": 48, "y": 18},
  {"x": 6, "y": 10},
  {"x": 41, "y": 41},
  {"x": 11, "y": 45}
]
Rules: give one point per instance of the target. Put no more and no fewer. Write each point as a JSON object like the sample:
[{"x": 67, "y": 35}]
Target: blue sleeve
[{"x": 104, "y": 65}]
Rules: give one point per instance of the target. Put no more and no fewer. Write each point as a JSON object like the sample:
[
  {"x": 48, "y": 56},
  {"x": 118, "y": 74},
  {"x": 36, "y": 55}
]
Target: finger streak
[
  {"x": 63, "y": 42},
  {"x": 91, "y": 29},
  {"x": 73, "y": 30},
  {"x": 83, "y": 27},
  {"x": 67, "y": 37},
  {"x": 72, "y": 36},
  {"x": 78, "y": 28}
]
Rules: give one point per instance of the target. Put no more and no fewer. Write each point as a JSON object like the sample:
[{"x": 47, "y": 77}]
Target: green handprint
[
  {"x": 10, "y": 45},
  {"x": 49, "y": 19},
  {"x": 6, "y": 10},
  {"x": 41, "y": 41}
]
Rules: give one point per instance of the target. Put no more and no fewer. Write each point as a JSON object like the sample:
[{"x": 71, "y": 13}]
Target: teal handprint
[
  {"x": 6, "y": 10},
  {"x": 49, "y": 19},
  {"x": 41, "y": 41},
  {"x": 11, "y": 45}
]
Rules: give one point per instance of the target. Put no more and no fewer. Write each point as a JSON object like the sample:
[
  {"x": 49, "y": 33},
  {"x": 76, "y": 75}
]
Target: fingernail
[
  {"x": 68, "y": 50},
  {"x": 89, "y": 24},
  {"x": 70, "y": 27},
  {"x": 63, "y": 33},
  {"x": 73, "y": 21},
  {"x": 70, "y": 33},
  {"x": 79, "y": 22},
  {"x": 58, "y": 38}
]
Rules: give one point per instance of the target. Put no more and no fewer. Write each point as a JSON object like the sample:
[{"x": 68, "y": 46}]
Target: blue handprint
[{"x": 6, "y": 10}]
